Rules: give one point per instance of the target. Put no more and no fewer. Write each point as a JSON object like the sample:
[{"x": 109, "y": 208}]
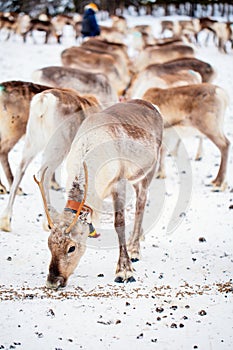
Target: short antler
[
  {"x": 40, "y": 184},
  {"x": 83, "y": 200}
]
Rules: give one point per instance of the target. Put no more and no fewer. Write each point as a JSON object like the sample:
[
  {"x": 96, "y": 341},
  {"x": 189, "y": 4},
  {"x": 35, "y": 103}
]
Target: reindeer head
[{"x": 67, "y": 239}]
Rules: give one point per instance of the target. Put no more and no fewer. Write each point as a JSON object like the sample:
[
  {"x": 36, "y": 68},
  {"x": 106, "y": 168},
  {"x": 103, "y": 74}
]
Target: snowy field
[{"x": 182, "y": 297}]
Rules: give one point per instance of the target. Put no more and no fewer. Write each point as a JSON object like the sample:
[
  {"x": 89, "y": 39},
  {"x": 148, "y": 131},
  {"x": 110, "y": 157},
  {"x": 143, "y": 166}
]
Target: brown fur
[
  {"x": 45, "y": 26},
  {"x": 9, "y": 24},
  {"x": 84, "y": 82},
  {"x": 119, "y": 23},
  {"x": 111, "y": 34},
  {"x": 152, "y": 55},
  {"x": 79, "y": 57},
  {"x": 203, "y": 68},
  {"x": 15, "y": 100},
  {"x": 151, "y": 78},
  {"x": 99, "y": 44}
]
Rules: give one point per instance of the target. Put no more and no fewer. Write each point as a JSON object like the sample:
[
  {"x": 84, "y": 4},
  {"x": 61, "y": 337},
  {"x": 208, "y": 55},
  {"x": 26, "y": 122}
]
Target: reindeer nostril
[{"x": 55, "y": 282}]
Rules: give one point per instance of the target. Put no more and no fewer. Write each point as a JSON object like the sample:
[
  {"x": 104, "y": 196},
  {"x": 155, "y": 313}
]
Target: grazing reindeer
[
  {"x": 15, "y": 98},
  {"x": 161, "y": 54},
  {"x": 160, "y": 75},
  {"x": 78, "y": 79},
  {"x": 49, "y": 110},
  {"x": 108, "y": 47},
  {"x": 111, "y": 34},
  {"x": 107, "y": 63},
  {"x": 147, "y": 78},
  {"x": 203, "y": 68},
  {"x": 201, "y": 107},
  {"x": 122, "y": 134}
]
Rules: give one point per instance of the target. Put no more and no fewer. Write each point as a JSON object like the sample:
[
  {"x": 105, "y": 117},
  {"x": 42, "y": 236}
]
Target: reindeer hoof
[
  {"x": 160, "y": 175},
  {"x": 218, "y": 187},
  {"x": 131, "y": 279},
  {"x": 55, "y": 186},
  {"x": 45, "y": 226},
  {"x": 198, "y": 159},
  {"x": 20, "y": 192},
  {"x": 5, "y": 224},
  {"x": 119, "y": 279},
  {"x": 134, "y": 260}
]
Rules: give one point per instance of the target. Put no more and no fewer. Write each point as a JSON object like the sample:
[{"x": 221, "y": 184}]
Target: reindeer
[
  {"x": 146, "y": 33},
  {"x": 166, "y": 41},
  {"x": 111, "y": 34},
  {"x": 181, "y": 71},
  {"x": 15, "y": 98},
  {"x": 8, "y": 23},
  {"x": 85, "y": 82},
  {"x": 206, "y": 23},
  {"x": 107, "y": 46},
  {"x": 182, "y": 27},
  {"x": 109, "y": 64},
  {"x": 44, "y": 26},
  {"x": 56, "y": 109},
  {"x": 146, "y": 79},
  {"x": 201, "y": 107},
  {"x": 60, "y": 21},
  {"x": 168, "y": 25},
  {"x": 189, "y": 28},
  {"x": 223, "y": 35},
  {"x": 119, "y": 23},
  {"x": 152, "y": 55},
  {"x": 205, "y": 69},
  {"x": 123, "y": 134},
  {"x": 121, "y": 61}
]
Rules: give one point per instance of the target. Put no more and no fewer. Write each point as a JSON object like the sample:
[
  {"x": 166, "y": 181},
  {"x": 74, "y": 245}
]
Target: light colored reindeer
[
  {"x": 49, "y": 110},
  {"x": 161, "y": 54},
  {"x": 118, "y": 145},
  {"x": 201, "y": 107},
  {"x": 146, "y": 79},
  {"x": 81, "y": 80}
]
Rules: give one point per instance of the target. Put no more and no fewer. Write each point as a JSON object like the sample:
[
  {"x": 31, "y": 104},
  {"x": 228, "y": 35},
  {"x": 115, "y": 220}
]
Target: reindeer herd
[{"x": 103, "y": 111}]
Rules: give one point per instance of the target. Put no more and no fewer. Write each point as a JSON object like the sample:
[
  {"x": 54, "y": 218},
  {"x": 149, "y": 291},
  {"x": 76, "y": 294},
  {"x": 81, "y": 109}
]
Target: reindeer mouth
[{"x": 56, "y": 282}]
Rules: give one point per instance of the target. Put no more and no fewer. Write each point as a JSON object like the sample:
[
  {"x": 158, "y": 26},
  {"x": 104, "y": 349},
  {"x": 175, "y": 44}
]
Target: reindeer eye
[{"x": 71, "y": 249}]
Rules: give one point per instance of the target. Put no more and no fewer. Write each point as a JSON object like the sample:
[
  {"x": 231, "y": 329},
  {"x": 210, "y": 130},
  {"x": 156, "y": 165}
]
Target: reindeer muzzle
[{"x": 55, "y": 282}]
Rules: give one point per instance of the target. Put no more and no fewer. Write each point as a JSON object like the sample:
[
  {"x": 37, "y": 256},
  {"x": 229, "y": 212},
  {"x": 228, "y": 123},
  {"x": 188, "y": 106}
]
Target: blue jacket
[{"x": 89, "y": 24}]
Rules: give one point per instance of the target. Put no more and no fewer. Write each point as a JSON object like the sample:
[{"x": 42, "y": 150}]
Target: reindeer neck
[{"x": 75, "y": 198}]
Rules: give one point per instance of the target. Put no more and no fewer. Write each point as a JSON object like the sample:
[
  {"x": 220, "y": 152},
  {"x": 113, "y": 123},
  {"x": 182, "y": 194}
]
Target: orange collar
[{"x": 74, "y": 206}]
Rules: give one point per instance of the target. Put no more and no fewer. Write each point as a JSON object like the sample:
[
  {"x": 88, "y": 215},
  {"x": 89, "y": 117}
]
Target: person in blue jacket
[{"x": 90, "y": 26}]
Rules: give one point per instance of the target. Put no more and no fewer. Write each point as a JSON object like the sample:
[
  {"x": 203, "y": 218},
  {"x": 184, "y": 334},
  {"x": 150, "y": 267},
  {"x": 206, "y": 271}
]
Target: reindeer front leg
[{"x": 124, "y": 270}]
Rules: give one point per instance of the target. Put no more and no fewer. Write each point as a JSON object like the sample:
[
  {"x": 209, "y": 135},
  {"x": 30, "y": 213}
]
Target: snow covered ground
[{"x": 182, "y": 297}]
